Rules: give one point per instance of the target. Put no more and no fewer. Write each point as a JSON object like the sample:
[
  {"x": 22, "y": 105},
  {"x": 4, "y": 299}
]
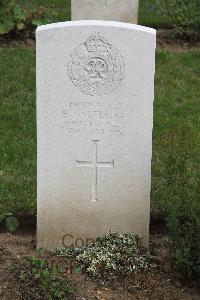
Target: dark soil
[
  {"x": 9, "y": 42},
  {"x": 153, "y": 284},
  {"x": 165, "y": 39}
]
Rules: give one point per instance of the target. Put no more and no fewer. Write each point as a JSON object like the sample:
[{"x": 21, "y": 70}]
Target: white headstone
[
  {"x": 110, "y": 10},
  {"x": 95, "y": 89}
]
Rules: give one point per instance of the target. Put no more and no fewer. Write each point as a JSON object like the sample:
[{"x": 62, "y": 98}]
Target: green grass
[
  {"x": 17, "y": 130},
  {"x": 176, "y": 140}
]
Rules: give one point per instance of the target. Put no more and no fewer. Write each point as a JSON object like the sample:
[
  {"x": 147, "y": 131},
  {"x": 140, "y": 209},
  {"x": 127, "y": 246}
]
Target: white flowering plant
[{"x": 114, "y": 255}]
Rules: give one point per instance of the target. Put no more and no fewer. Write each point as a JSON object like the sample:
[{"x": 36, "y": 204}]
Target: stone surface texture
[
  {"x": 110, "y": 10},
  {"x": 95, "y": 89}
]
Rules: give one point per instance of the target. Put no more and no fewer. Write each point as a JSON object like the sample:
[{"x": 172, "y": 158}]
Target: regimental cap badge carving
[{"x": 96, "y": 67}]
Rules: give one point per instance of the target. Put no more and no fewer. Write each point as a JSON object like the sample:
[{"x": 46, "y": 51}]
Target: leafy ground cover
[
  {"x": 63, "y": 6},
  {"x": 110, "y": 257},
  {"x": 19, "y": 18},
  {"x": 149, "y": 16},
  {"x": 176, "y": 140},
  {"x": 147, "y": 13},
  {"x": 23, "y": 281}
]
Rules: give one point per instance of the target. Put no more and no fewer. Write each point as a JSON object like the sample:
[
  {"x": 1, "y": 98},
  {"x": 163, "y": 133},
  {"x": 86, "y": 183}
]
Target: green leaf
[
  {"x": 2, "y": 216},
  {"x": 12, "y": 223},
  {"x": 23, "y": 276},
  {"x": 19, "y": 13},
  {"x": 32, "y": 8},
  {"x": 76, "y": 269},
  {"x": 12, "y": 4},
  {"x": 8, "y": 213},
  {"x": 38, "y": 22},
  {"x": 6, "y": 26},
  {"x": 41, "y": 251},
  {"x": 20, "y": 26},
  {"x": 4, "y": 213}
]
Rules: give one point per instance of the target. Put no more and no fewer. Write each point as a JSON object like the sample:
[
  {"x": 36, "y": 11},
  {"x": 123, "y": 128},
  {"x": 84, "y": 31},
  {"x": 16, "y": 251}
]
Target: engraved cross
[{"x": 95, "y": 165}]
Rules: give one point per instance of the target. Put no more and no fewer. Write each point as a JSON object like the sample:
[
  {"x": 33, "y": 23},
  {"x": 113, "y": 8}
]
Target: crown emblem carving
[
  {"x": 96, "y": 43},
  {"x": 96, "y": 67}
]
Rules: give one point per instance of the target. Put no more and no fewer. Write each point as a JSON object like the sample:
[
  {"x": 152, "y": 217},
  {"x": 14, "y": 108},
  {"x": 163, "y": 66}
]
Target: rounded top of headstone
[{"x": 96, "y": 23}]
